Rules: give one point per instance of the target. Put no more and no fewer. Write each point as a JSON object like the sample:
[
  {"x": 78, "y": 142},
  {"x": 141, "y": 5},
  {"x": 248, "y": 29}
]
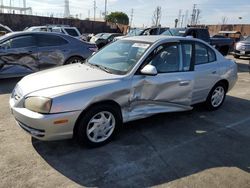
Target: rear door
[
  {"x": 18, "y": 56},
  {"x": 171, "y": 89},
  {"x": 52, "y": 50},
  {"x": 206, "y": 71}
]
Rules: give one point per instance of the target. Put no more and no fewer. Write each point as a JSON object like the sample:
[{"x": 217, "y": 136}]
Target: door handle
[{"x": 184, "y": 83}]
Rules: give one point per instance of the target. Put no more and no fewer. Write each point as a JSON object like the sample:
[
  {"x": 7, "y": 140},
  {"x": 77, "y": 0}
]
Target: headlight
[
  {"x": 238, "y": 45},
  {"x": 38, "y": 104}
]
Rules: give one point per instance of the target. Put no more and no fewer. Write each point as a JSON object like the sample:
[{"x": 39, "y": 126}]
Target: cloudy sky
[{"x": 212, "y": 11}]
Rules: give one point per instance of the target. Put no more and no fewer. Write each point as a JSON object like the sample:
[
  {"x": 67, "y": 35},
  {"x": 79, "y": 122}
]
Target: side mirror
[{"x": 149, "y": 70}]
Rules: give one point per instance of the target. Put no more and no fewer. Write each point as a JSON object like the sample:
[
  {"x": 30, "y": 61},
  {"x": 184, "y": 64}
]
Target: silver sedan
[{"x": 130, "y": 79}]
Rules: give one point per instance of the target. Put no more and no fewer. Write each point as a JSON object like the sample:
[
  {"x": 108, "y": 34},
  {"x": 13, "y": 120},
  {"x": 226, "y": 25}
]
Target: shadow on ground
[
  {"x": 159, "y": 149},
  {"x": 243, "y": 67}
]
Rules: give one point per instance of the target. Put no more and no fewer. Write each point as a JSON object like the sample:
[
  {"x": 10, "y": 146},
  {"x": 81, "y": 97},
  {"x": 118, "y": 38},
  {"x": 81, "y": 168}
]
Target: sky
[{"x": 212, "y": 11}]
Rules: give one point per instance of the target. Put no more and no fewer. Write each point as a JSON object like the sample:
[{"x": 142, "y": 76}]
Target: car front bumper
[
  {"x": 43, "y": 126},
  {"x": 242, "y": 53}
]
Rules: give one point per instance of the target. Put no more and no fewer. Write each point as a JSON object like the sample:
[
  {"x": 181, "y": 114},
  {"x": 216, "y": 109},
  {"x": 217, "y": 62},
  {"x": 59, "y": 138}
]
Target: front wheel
[
  {"x": 98, "y": 125},
  {"x": 216, "y": 97}
]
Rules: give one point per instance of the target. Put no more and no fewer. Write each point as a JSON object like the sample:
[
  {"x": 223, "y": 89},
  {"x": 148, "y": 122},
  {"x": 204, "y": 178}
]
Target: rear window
[
  {"x": 50, "y": 40},
  {"x": 203, "y": 54},
  {"x": 72, "y": 32},
  {"x": 19, "y": 42}
]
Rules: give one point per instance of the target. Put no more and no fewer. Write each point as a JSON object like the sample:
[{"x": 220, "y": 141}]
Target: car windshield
[
  {"x": 247, "y": 39},
  {"x": 119, "y": 57},
  {"x": 174, "y": 32},
  {"x": 134, "y": 32},
  {"x": 105, "y": 36}
]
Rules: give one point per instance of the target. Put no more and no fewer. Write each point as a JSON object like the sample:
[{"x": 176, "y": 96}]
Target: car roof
[
  {"x": 152, "y": 38},
  {"x": 157, "y": 38},
  {"x": 19, "y": 33}
]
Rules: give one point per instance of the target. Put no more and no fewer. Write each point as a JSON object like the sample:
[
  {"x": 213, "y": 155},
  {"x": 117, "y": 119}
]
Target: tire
[
  {"x": 236, "y": 56},
  {"x": 218, "y": 90},
  {"x": 85, "y": 132},
  {"x": 73, "y": 60}
]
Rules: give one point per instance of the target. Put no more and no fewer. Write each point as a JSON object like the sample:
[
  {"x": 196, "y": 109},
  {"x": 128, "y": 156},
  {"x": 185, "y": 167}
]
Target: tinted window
[
  {"x": 19, "y": 42},
  {"x": 167, "y": 58},
  {"x": 187, "y": 56},
  {"x": 50, "y": 40},
  {"x": 203, "y": 54},
  {"x": 72, "y": 32}
]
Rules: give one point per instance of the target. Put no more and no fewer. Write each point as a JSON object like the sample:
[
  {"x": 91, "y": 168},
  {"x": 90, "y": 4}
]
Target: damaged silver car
[{"x": 130, "y": 79}]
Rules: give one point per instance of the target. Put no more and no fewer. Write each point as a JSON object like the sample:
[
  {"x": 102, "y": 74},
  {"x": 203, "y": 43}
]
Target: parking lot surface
[{"x": 189, "y": 149}]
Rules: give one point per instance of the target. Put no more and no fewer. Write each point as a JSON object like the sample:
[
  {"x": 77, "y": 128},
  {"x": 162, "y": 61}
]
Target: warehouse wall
[
  {"x": 243, "y": 28},
  {"x": 19, "y": 22}
]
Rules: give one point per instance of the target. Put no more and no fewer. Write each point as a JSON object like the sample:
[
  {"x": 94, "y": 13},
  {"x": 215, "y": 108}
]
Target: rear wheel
[
  {"x": 98, "y": 125},
  {"x": 73, "y": 60},
  {"x": 216, "y": 97}
]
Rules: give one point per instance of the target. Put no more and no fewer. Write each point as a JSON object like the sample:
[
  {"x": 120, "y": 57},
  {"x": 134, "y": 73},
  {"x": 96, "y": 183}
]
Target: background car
[
  {"x": 72, "y": 31},
  {"x": 139, "y": 32},
  {"x": 242, "y": 48},
  {"x": 4, "y": 30},
  {"x": 105, "y": 38},
  {"x": 65, "y": 29},
  {"x": 22, "y": 53},
  {"x": 130, "y": 79}
]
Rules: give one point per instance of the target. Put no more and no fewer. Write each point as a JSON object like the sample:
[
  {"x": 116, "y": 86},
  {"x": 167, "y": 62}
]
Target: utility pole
[
  {"x": 94, "y": 9},
  {"x": 10, "y": 6},
  {"x": 186, "y": 18},
  {"x": 198, "y": 11},
  {"x": 179, "y": 17},
  {"x": 89, "y": 14},
  {"x": 105, "y": 11},
  {"x": 193, "y": 15},
  {"x": 131, "y": 17},
  {"x": 182, "y": 18}
]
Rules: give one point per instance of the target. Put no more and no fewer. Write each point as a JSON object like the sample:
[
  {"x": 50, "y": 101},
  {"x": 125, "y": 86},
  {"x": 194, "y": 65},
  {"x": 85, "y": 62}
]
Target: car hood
[
  {"x": 245, "y": 42},
  {"x": 69, "y": 75}
]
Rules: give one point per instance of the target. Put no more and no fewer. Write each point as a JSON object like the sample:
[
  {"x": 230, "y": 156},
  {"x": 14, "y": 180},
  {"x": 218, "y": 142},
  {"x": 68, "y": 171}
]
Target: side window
[
  {"x": 203, "y": 54},
  {"x": 167, "y": 58},
  {"x": 211, "y": 55},
  {"x": 50, "y": 40},
  {"x": 19, "y": 42},
  {"x": 187, "y": 51}
]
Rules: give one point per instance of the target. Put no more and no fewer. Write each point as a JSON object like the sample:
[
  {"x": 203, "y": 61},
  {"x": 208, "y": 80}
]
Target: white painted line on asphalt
[{"x": 238, "y": 123}]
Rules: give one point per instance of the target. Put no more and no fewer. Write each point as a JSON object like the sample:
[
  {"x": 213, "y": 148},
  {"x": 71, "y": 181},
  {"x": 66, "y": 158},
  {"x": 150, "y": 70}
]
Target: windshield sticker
[
  {"x": 140, "y": 45},
  {"x": 181, "y": 31}
]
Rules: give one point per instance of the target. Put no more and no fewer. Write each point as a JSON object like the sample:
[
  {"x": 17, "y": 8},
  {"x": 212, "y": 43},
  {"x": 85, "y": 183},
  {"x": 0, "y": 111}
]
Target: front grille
[{"x": 32, "y": 131}]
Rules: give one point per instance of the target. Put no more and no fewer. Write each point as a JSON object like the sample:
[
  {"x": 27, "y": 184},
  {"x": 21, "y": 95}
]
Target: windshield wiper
[{"x": 100, "y": 67}]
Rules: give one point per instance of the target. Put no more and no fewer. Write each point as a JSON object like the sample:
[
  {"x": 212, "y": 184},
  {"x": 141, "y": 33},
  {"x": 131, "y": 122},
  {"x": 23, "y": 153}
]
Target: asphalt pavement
[{"x": 197, "y": 148}]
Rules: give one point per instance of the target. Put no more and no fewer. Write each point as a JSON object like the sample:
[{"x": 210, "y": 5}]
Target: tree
[
  {"x": 118, "y": 17},
  {"x": 156, "y": 16}
]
